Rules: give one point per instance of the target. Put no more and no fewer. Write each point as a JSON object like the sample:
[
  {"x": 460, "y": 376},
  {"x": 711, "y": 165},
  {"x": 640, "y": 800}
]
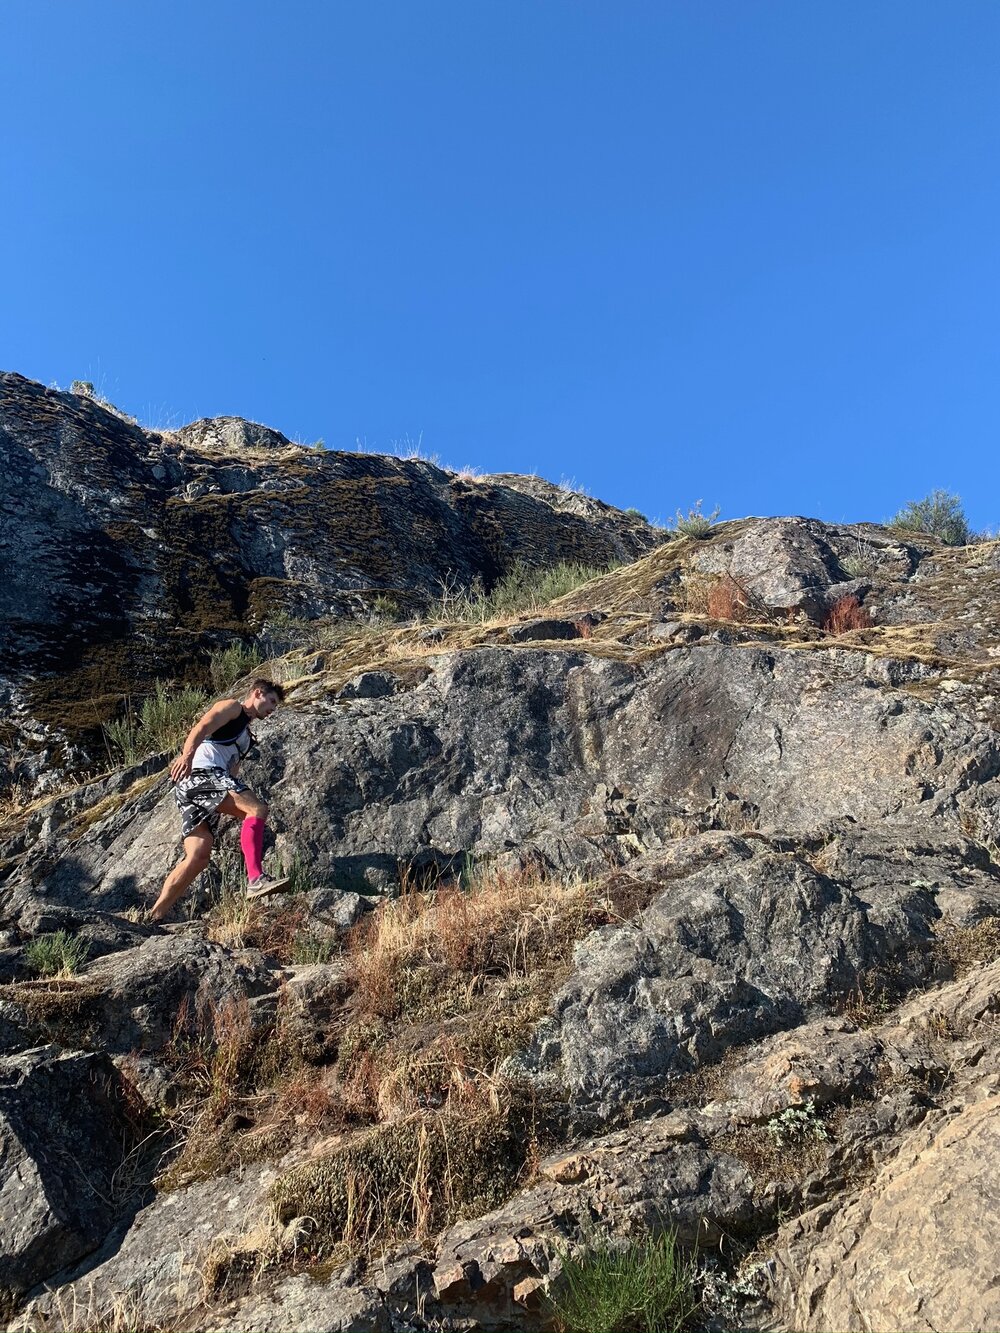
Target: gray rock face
[
  {"x": 915, "y": 1248},
  {"x": 566, "y": 757},
  {"x": 64, "y": 1132},
  {"x": 533, "y": 631},
  {"x": 794, "y": 563},
  {"x": 136, "y": 1000},
  {"x": 742, "y": 938},
  {"x": 156, "y": 1265}
]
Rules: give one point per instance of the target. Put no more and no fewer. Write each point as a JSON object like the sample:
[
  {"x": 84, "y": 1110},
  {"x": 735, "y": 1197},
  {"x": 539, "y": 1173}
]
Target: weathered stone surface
[
  {"x": 329, "y": 1306},
  {"x": 825, "y": 1061},
  {"x": 64, "y": 1132},
  {"x": 155, "y": 1268},
  {"x": 915, "y": 1251},
  {"x": 136, "y": 1000},
  {"x": 743, "y": 937},
  {"x": 796, "y": 562},
  {"x": 531, "y": 631},
  {"x": 506, "y": 751},
  {"x": 369, "y": 685}
]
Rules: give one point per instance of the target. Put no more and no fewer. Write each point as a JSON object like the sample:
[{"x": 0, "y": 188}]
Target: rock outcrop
[{"x": 128, "y": 554}]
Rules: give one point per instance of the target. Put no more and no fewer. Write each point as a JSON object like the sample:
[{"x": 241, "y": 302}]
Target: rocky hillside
[
  {"x": 675, "y": 907},
  {"x": 130, "y": 554}
]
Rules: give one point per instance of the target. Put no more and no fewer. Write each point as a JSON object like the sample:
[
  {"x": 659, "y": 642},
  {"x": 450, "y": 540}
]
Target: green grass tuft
[
  {"x": 521, "y": 589},
  {"x": 309, "y": 946},
  {"x": 230, "y": 664},
  {"x": 646, "y": 1287},
  {"x": 695, "y": 523},
  {"x": 57, "y": 955}
]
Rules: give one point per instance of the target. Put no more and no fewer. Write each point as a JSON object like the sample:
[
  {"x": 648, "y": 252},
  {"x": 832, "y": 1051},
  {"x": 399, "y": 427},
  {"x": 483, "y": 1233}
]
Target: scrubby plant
[
  {"x": 161, "y": 722},
  {"x": 938, "y": 514},
  {"x": 228, "y": 665},
  {"x": 409, "y": 1177},
  {"x": 648, "y": 1286},
  {"x": 83, "y": 388},
  {"x": 521, "y": 589},
  {"x": 694, "y": 523},
  {"x": 796, "y": 1124},
  {"x": 58, "y": 954},
  {"x": 729, "y": 599},
  {"x": 863, "y": 562}
]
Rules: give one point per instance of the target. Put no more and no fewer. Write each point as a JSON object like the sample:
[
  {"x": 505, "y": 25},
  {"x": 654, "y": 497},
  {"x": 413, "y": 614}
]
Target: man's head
[{"x": 263, "y": 698}]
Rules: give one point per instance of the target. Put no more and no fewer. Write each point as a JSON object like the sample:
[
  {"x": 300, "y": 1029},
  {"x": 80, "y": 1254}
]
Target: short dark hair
[{"x": 268, "y": 687}]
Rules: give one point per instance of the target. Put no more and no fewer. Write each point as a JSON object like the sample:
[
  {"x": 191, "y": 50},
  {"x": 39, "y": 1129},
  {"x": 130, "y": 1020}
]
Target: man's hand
[{"x": 180, "y": 768}]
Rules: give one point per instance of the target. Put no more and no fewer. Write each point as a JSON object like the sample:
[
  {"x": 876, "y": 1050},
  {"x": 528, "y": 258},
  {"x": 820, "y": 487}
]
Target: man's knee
[
  {"x": 258, "y": 809},
  {"x": 200, "y": 856}
]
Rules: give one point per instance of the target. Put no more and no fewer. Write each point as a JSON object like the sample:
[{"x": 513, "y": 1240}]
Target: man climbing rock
[{"x": 206, "y": 786}]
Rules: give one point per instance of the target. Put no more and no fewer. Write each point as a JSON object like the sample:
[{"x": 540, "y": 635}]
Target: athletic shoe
[{"x": 257, "y": 888}]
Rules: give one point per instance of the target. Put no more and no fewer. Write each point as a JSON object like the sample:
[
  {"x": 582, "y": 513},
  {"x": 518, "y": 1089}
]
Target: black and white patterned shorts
[{"x": 199, "y": 796}]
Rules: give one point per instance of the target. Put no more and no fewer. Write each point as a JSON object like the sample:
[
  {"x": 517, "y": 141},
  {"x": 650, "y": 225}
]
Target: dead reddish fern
[{"x": 846, "y": 614}]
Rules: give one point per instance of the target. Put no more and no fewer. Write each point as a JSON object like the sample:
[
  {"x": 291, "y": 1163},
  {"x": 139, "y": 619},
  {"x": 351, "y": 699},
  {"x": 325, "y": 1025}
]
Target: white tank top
[{"x": 220, "y": 754}]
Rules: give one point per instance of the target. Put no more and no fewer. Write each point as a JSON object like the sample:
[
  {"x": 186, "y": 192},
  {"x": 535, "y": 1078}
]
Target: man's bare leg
[{"x": 197, "y": 851}]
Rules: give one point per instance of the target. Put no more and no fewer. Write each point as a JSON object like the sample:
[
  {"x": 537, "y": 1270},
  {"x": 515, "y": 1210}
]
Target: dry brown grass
[
  {"x": 500, "y": 927},
  {"x": 964, "y": 947}
]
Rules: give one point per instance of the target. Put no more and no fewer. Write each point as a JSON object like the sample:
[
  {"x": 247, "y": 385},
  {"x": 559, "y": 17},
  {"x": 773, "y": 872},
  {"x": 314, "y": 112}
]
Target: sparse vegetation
[
  {"x": 729, "y": 599},
  {"x": 796, "y": 1124},
  {"x": 521, "y": 589},
  {"x": 645, "y": 1287},
  {"x": 312, "y": 946},
  {"x": 863, "y": 562},
  {"x": 161, "y": 722},
  {"x": 228, "y": 665},
  {"x": 384, "y": 608},
  {"x": 409, "y": 1177},
  {"x": 58, "y": 954},
  {"x": 939, "y": 514},
  {"x": 694, "y": 523}
]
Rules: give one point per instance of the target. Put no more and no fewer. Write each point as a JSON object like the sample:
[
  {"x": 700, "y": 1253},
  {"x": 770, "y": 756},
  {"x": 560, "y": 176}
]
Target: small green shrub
[
  {"x": 228, "y": 665},
  {"x": 84, "y": 388},
  {"x": 521, "y": 589},
  {"x": 163, "y": 720},
  {"x": 938, "y": 514},
  {"x": 636, "y": 513},
  {"x": 645, "y": 1287},
  {"x": 796, "y": 1124},
  {"x": 695, "y": 523},
  {"x": 57, "y": 955}
]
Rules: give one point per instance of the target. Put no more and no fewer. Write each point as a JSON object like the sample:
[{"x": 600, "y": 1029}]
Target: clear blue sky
[{"x": 744, "y": 251}]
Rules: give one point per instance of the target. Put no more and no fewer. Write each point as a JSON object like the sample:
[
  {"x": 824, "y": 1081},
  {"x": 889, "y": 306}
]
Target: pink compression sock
[{"x": 252, "y": 842}]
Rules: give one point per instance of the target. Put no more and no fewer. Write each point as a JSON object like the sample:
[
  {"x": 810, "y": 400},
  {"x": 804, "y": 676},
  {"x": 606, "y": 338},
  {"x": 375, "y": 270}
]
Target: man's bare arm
[{"x": 226, "y": 710}]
